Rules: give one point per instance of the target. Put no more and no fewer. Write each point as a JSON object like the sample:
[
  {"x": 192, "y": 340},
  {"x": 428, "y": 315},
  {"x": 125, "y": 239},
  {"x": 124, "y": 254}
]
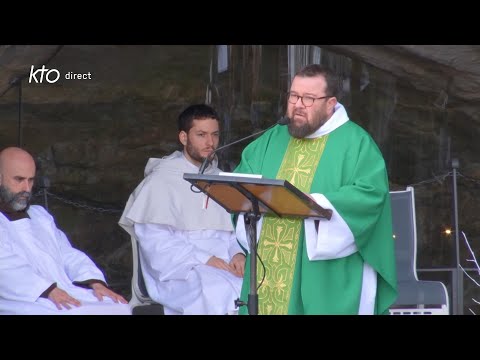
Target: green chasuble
[{"x": 347, "y": 167}]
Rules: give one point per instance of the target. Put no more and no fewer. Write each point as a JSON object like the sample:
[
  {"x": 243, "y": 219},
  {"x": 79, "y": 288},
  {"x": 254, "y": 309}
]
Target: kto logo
[{"x": 51, "y": 75}]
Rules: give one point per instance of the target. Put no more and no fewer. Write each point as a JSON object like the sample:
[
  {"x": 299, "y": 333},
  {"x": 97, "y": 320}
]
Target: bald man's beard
[{"x": 16, "y": 201}]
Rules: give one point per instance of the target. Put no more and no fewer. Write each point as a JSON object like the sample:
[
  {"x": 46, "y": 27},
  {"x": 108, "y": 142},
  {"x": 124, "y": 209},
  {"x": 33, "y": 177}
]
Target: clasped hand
[{"x": 236, "y": 265}]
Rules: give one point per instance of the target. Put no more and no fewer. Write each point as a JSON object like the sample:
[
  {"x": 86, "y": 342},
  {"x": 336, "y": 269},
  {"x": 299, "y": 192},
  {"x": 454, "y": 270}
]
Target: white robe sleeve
[
  {"x": 78, "y": 266},
  {"x": 333, "y": 239},
  {"x": 167, "y": 256},
  {"x": 18, "y": 280},
  {"x": 234, "y": 247}
]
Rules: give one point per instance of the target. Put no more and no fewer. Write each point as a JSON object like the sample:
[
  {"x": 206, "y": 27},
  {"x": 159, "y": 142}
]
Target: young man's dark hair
[{"x": 195, "y": 112}]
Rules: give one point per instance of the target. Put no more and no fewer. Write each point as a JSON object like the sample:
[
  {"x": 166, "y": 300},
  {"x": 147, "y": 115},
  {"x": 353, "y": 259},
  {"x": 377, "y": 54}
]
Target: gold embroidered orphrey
[{"x": 279, "y": 237}]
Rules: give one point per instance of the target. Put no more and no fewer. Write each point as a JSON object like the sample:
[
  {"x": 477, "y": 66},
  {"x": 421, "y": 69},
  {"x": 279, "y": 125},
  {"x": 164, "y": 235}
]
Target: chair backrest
[
  {"x": 140, "y": 295},
  {"x": 414, "y": 296},
  {"x": 405, "y": 233}
]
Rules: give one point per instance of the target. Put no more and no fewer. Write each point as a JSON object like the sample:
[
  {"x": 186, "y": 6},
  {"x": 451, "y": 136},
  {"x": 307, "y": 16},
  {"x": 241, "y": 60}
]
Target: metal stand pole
[
  {"x": 458, "y": 289},
  {"x": 251, "y": 219},
  {"x": 18, "y": 82},
  {"x": 252, "y": 304}
]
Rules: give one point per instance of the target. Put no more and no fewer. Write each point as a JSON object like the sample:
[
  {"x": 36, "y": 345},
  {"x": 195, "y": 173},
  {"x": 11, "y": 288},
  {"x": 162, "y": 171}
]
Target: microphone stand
[
  {"x": 284, "y": 120},
  {"x": 209, "y": 158},
  {"x": 251, "y": 219}
]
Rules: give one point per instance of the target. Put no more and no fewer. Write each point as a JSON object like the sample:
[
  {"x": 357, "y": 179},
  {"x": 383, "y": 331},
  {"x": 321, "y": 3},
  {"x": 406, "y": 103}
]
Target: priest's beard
[
  {"x": 301, "y": 131},
  {"x": 16, "y": 201}
]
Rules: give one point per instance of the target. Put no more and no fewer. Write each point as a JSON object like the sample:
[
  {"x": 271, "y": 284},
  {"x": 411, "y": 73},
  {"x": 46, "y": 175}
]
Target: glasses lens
[
  {"x": 292, "y": 98},
  {"x": 307, "y": 101}
]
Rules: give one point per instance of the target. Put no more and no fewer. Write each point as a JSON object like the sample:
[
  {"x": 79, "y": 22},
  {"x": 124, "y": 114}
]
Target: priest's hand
[
  {"x": 238, "y": 264},
  {"x": 61, "y": 299},
  {"x": 100, "y": 290},
  {"x": 220, "y": 264}
]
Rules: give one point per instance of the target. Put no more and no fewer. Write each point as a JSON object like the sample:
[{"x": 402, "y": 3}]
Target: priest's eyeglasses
[{"x": 307, "y": 101}]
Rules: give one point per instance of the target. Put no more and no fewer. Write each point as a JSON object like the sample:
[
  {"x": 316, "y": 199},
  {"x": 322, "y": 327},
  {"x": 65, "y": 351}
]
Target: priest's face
[
  {"x": 16, "y": 180},
  {"x": 309, "y": 106},
  {"x": 201, "y": 140}
]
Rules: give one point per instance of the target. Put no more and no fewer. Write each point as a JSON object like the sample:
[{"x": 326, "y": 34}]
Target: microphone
[{"x": 284, "y": 120}]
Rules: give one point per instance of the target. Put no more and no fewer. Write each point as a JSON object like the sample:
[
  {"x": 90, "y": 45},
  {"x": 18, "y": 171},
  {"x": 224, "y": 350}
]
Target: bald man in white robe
[{"x": 40, "y": 272}]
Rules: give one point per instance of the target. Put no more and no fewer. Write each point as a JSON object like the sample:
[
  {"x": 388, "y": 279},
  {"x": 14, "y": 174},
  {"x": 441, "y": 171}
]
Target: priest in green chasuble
[{"x": 345, "y": 265}]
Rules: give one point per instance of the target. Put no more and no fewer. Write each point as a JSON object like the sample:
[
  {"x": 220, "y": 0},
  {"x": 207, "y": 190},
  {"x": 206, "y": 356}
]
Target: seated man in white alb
[
  {"x": 40, "y": 272},
  {"x": 190, "y": 258}
]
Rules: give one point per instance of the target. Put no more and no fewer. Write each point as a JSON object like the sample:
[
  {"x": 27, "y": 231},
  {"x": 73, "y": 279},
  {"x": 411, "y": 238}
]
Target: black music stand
[{"x": 254, "y": 197}]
